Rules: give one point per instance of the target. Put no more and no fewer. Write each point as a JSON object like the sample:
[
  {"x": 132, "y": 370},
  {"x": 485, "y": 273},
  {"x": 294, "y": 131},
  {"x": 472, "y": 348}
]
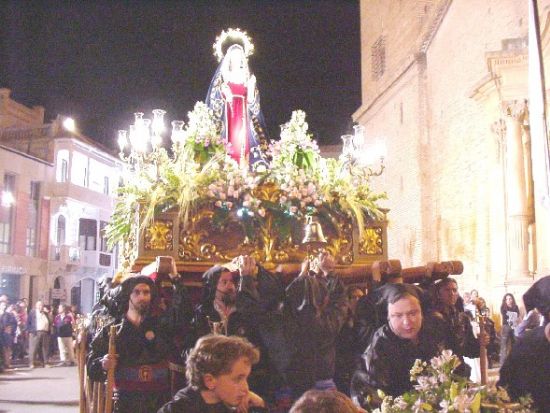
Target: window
[
  {"x": 87, "y": 234},
  {"x": 103, "y": 235},
  {"x": 378, "y": 58},
  {"x": 106, "y": 185},
  {"x": 5, "y": 235},
  {"x": 32, "y": 222},
  {"x": 30, "y": 244},
  {"x": 60, "y": 238},
  {"x": 62, "y": 168},
  {"x": 6, "y": 215}
]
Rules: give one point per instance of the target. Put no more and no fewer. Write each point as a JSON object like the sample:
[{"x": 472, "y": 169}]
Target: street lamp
[
  {"x": 7, "y": 199},
  {"x": 69, "y": 124}
]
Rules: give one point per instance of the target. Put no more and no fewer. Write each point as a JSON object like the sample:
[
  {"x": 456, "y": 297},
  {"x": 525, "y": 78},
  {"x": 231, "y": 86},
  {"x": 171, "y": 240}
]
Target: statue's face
[{"x": 236, "y": 57}]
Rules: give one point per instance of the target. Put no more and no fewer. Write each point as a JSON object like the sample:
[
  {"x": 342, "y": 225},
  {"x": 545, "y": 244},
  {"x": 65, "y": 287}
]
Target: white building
[{"x": 58, "y": 190}]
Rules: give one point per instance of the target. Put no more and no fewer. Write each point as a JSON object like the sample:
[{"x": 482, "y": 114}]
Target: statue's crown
[{"x": 229, "y": 38}]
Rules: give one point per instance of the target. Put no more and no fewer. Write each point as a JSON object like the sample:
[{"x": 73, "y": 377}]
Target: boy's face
[{"x": 231, "y": 388}]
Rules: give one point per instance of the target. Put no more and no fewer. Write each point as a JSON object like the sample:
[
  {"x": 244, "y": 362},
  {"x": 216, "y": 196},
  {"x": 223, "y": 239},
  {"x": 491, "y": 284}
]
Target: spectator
[
  {"x": 8, "y": 327},
  {"x": 217, "y": 370},
  {"x": 64, "y": 324},
  {"x": 38, "y": 325},
  {"x": 21, "y": 343},
  {"x": 509, "y": 311}
]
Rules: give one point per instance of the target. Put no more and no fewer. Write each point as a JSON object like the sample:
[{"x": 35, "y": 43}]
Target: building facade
[
  {"x": 58, "y": 193},
  {"x": 445, "y": 84}
]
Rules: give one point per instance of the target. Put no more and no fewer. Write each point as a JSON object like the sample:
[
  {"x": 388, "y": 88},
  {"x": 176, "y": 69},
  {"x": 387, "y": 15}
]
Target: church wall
[
  {"x": 395, "y": 119},
  {"x": 444, "y": 174},
  {"x": 467, "y": 181},
  {"x": 403, "y": 25}
]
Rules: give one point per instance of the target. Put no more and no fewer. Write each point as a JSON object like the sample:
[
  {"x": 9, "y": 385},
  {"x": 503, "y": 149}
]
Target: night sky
[{"x": 101, "y": 61}]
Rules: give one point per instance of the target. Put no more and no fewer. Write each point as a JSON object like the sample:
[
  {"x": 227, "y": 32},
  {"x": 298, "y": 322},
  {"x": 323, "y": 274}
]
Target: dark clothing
[
  {"x": 317, "y": 309},
  {"x": 64, "y": 324},
  {"x": 372, "y": 311},
  {"x": 141, "y": 376},
  {"x": 189, "y": 400},
  {"x": 388, "y": 360},
  {"x": 525, "y": 370},
  {"x": 348, "y": 356},
  {"x": 8, "y": 328},
  {"x": 459, "y": 333},
  {"x": 254, "y": 319},
  {"x": 538, "y": 296}
]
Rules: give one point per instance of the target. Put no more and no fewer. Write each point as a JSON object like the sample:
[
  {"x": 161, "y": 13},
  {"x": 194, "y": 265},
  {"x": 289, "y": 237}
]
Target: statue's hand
[
  {"x": 252, "y": 82},
  {"x": 226, "y": 90}
]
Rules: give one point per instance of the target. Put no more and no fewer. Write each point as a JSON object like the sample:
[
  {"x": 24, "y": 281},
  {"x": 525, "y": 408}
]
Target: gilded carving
[
  {"x": 159, "y": 235},
  {"x": 372, "y": 242}
]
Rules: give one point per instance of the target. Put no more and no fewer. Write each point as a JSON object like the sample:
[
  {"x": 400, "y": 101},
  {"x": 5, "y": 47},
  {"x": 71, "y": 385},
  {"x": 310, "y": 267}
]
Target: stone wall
[{"x": 444, "y": 174}]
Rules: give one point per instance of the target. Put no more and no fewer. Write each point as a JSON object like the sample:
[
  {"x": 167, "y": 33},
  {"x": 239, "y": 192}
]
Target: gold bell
[{"x": 313, "y": 234}]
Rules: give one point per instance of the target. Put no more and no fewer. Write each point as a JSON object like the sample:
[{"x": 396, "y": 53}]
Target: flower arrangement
[
  {"x": 201, "y": 172},
  {"x": 203, "y": 133},
  {"x": 438, "y": 389}
]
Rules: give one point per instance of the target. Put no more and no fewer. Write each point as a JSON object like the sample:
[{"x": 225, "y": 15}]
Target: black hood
[
  {"x": 210, "y": 280},
  {"x": 538, "y": 296}
]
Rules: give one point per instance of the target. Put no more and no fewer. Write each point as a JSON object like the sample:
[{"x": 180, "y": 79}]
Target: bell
[{"x": 314, "y": 234}]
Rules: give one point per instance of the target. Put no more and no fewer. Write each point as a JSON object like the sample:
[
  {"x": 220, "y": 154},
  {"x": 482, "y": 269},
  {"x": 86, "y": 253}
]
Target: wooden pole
[
  {"x": 482, "y": 351},
  {"x": 110, "y": 373},
  {"x": 95, "y": 397},
  {"x": 81, "y": 358}
]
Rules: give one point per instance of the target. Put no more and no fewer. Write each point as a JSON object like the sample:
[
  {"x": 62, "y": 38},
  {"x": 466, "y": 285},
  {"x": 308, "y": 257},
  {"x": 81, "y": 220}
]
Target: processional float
[{"x": 224, "y": 190}]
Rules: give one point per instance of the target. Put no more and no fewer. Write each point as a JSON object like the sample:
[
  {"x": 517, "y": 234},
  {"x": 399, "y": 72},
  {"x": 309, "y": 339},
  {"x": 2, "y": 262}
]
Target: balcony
[{"x": 65, "y": 254}]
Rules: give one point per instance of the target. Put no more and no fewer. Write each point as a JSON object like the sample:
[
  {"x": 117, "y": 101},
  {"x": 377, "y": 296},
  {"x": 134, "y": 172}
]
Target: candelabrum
[
  {"x": 141, "y": 146},
  {"x": 359, "y": 161}
]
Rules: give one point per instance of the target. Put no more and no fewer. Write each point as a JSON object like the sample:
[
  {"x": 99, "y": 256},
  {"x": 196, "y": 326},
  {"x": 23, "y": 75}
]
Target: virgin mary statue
[{"x": 235, "y": 100}]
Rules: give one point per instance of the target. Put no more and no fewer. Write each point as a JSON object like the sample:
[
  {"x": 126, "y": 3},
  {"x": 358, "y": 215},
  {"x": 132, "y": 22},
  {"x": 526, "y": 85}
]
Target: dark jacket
[
  {"x": 257, "y": 318},
  {"x": 459, "y": 332},
  {"x": 372, "y": 311},
  {"x": 135, "y": 346},
  {"x": 31, "y": 321},
  {"x": 316, "y": 311},
  {"x": 388, "y": 360},
  {"x": 189, "y": 400},
  {"x": 525, "y": 370}
]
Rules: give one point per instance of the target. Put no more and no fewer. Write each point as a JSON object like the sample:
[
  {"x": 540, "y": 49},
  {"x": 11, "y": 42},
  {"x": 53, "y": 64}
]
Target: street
[{"x": 44, "y": 390}]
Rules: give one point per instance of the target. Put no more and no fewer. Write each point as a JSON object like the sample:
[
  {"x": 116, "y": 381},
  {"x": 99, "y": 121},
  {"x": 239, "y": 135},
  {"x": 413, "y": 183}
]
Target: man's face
[
  {"x": 448, "y": 294},
  {"x": 232, "y": 387},
  {"x": 405, "y": 317},
  {"x": 39, "y": 306},
  {"x": 61, "y": 309},
  {"x": 226, "y": 284},
  {"x": 140, "y": 298}
]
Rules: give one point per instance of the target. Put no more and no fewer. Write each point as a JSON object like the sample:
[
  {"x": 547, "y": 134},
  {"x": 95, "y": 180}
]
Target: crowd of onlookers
[{"x": 37, "y": 336}]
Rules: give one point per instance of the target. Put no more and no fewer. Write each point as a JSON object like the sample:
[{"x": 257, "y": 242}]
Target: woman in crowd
[{"x": 510, "y": 318}]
